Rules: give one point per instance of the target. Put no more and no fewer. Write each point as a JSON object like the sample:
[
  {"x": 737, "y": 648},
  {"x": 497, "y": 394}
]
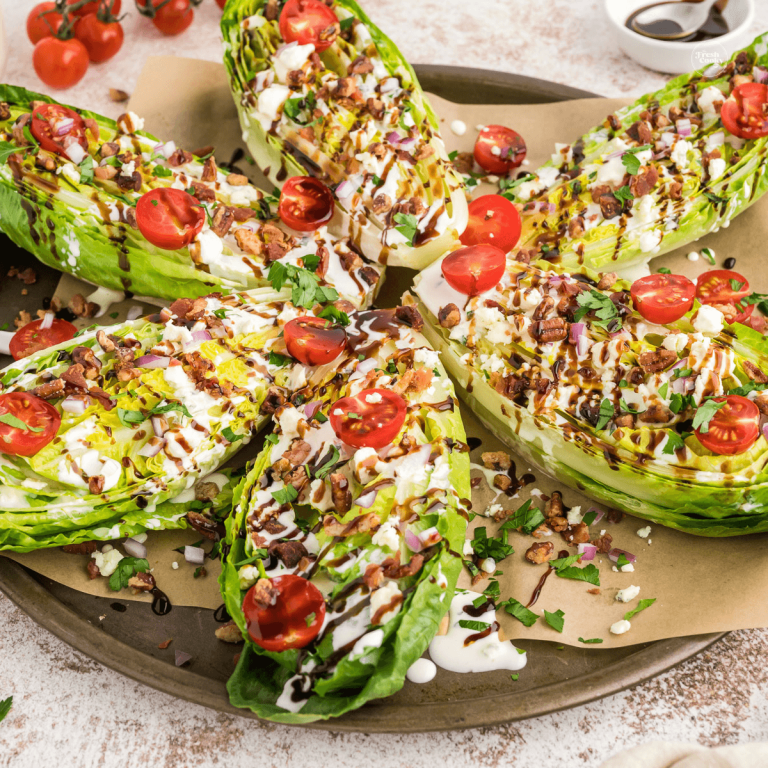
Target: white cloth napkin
[{"x": 665, "y": 755}]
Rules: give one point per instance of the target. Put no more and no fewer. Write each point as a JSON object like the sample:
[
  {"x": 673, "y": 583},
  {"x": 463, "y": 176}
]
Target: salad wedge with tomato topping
[
  {"x": 655, "y": 176},
  {"x": 343, "y": 549},
  {"x": 635, "y": 393},
  {"x": 320, "y": 90},
  {"x": 110, "y": 204}
]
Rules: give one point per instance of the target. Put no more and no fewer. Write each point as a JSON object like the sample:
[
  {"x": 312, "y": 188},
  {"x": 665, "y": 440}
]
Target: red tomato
[
  {"x": 169, "y": 218},
  {"x": 474, "y": 269},
  {"x": 493, "y": 220},
  {"x": 499, "y": 149},
  {"x": 37, "y": 25},
  {"x": 101, "y": 39},
  {"x": 295, "y": 619},
  {"x": 721, "y": 286},
  {"x": 378, "y": 416},
  {"x": 733, "y": 429},
  {"x": 42, "y": 422},
  {"x": 92, "y": 7},
  {"x": 54, "y": 126},
  {"x": 309, "y": 21},
  {"x": 663, "y": 299},
  {"x": 60, "y": 63},
  {"x": 32, "y": 338},
  {"x": 744, "y": 112},
  {"x": 314, "y": 341},
  {"x": 221, "y": 3},
  {"x": 173, "y": 17},
  {"x": 305, "y": 203}
]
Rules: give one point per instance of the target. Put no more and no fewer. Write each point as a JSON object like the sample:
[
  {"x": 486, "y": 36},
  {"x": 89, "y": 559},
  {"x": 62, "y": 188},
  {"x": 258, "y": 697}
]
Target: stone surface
[{"x": 71, "y": 711}]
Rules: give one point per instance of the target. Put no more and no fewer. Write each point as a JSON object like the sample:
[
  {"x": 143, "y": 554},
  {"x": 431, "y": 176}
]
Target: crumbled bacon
[
  {"x": 656, "y": 360},
  {"x": 341, "y": 493},
  {"x": 414, "y": 381},
  {"x": 360, "y": 524}
]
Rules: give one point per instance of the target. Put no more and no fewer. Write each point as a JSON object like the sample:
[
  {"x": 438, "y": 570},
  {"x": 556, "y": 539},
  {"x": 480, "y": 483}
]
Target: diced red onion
[
  {"x": 134, "y": 313},
  {"x": 683, "y": 127},
  {"x": 429, "y": 537},
  {"x": 310, "y": 409},
  {"x": 394, "y": 138},
  {"x": 413, "y": 541},
  {"x": 765, "y": 430},
  {"x": 344, "y": 190},
  {"x": 165, "y": 315},
  {"x": 151, "y": 448},
  {"x": 47, "y": 321},
  {"x": 135, "y": 548},
  {"x": 614, "y": 555},
  {"x": 182, "y": 658},
  {"x": 667, "y": 138},
  {"x": 75, "y": 405},
  {"x": 679, "y": 364},
  {"x": 587, "y": 551},
  {"x": 389, "y": 85},
  {"x": 252, "y": 225},
  {"x": 613, "y": 155},
  {"x": 75, "y": 153},
  {"x": 713, "y": 70},
  {"x": 168, "y": 148},
  {"x": 541, "y": 206},
  {"x": 555, "y": 280},
  {"x": 760, "y": 74},
  {"x": 159, "y": 425},
  {"x": 200, "y": 336},
  {"x": 717, "y": 139},
  {"x": 365, "y": 500},
  {"x": 153, "y": 361},
  {"x": 64, "y": 125},
  {"x": 194, "y": 555}
]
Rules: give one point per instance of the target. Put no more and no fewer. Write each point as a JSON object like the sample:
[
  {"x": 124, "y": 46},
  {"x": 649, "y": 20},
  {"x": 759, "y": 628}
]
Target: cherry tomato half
[
  {"x": 101, "y": 39},
  {"x": 32, "y": 338},
  {"x": 744, "y": 111},
  {"x": 370, "y": 419},
  {"x": 92, "y": 7},
  {"x": 55, "y": 126},
  {"x": 169, "y": 218},
  {"x": 662, "y": 299},
  {"x": 309, "y": 21},
  {"x": 493, "y": 220},
  {"x": 733, "y": 429},
  {"x": 721, "y": 286},
  {"x": 221, "y": 3},
  {"x": 313, "y": 340},
  {"x": 33, "y": 423},
  {"x": 295, "y": 619},
  {"x": 60, "y": 63},
  {"x": 305, "y": 203},
  {"x": 474, "y": 269},
  {"x": 499, "y": 149},
  {"x": 38, "y": 25}
]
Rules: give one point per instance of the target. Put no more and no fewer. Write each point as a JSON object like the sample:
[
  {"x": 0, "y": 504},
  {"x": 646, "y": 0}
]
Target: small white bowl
[{"x": 675, "y": 57}]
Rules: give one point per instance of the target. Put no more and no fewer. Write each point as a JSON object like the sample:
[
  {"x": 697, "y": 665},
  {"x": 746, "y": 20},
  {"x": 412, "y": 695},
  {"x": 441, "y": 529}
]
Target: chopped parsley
[
  {"x": 306, "y": 292},
  {"x": 408, "y": 225},
  {"x": 327, "y": 466},
  {"x": 272, "y": 438},
  {"x": 674, "y": 443},
  {"x": 605, "y": 310},
  {"x": 230, "y": 436},
  {"x": 564, "y": 562},
  {"x": 14, "y": 421},
  {"x": 126, "y": 568},
  {"x": 705, "y": 413},
  {"x": 347, "y": 23},
  {"x": 627, "y": 408},
  {"x": 591, "y": 640},
  {"x": 6, "y": 150},
  {"x": 707, "y": 253},
  {"x": 476, "y": 626},
  {"x": 162, "y": 172},
  {"x": 285, "y": 495},
  {"x": 717, "y": 200},
  {"x": 494, "y": 547},
  {"x": 528, "y": 518},
  {"x": 679, "y": 402},
  {"x": 519, "y": 611},
  {"x": 86, "y": 170},
  {"x": 664, "y": 271},
  {"x": 588, "y": 573},
  {"x": 5, "y": 707},
  {"x": 333, "y": 313},
  {"x": 641, "y": 606},
  {"x": 555, "y": 620},
  {"x": 589, "y": 518},
  {"x": 279, "y": 360},
  {"x": 630, "y": 160},
  {"x": 310, "y": 618},
  {"x": 606, "y": 413},
  {"x": 180, "y": 407},
  {"x": 130, "y": 418},
  {"x": 623, "y": 194}
]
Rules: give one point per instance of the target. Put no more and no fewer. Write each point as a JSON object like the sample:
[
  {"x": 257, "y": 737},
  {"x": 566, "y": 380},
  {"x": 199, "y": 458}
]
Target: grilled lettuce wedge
[
  {"x": 355, "y": 116},
  {"x": 385, "y": 556},
  {"x": 77, "y": 214},
  {"x": 655, "y": 176},
  {"x": 573, "y": 379}
]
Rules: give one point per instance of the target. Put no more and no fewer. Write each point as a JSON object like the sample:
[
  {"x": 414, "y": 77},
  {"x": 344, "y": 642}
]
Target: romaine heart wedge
[
  {"x": 572, "y": 378},
  {"x": 655, "y": 176},
  {"x": 350, "y": 111},
  {"x": 131, "y": 213},
  {"x": 378, "y": 530}
]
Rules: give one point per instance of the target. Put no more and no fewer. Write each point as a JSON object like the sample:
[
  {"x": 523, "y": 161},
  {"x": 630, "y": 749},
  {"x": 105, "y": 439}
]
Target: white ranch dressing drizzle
[{"x": 484, "y": 655}]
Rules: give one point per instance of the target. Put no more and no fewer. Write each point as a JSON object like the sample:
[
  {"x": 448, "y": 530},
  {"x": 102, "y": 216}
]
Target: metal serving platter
[{"x": 127, "y": 639}]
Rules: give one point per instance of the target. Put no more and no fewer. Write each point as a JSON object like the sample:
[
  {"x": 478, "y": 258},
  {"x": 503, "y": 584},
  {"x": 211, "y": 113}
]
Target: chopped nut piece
[
  {"x": 607, "y": 279},
  {"x": 502, "y": 482},
  {"x": 449, "y": 316},
  {"x": 162, "y": 646},
  {"x": 117, "y": 95},
  {"x": 577, "y": 534},
  {"x": 540, "y": 552},
  {"x": 141, "y": 582},
  {"x": 81, "y": 307},
  {"x": 229, "y": 632},
  {"x": 497, "y": 460}
]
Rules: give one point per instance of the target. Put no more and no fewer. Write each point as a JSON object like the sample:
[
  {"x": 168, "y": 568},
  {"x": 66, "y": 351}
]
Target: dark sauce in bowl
[{"x": 715, "y": 25}]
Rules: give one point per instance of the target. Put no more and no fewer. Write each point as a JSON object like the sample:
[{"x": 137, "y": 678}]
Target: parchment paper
[{"x": 700, "y": 585}]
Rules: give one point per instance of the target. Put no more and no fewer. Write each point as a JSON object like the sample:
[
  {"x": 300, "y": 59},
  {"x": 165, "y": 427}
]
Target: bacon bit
[
  {"x": 414, "y": 381},
  {"x": 373, "y": 576},
  {"x": 393, "y": 569},
  {"x": 162, "y": 646},
  {"x": 594, "y": 591},
  {"x": 360, "y": 524},
  {"x": 93, "y": 570},
  {"x": 754, "y": 373}
]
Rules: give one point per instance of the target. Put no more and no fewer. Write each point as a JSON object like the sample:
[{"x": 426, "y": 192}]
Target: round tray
[{"x": 557, "y": 677}]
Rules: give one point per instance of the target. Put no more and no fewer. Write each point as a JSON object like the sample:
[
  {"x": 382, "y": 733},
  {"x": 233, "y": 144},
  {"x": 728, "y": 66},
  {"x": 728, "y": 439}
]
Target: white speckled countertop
[{"x": 71, "y": 711}]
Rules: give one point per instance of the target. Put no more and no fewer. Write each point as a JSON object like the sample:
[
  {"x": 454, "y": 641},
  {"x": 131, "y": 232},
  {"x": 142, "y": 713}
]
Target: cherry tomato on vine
[
  {"x": 313, "y": 340},
  {"x": 493, "y": 220},
  {"x": 38, "y": 25},
  {"x": 56, "y": 127},
  {"x": 474, "y": 269},
  {"x": 662, "y": 299},
  {"x": 499, "y": 149},
  {"x": 32, "y": 338},
  {"x": 169, "y": 218},
  {"x": 171, "y": 18},
  {"x": 744, "y": 113},
  {"x": 309, "y": 21},
  {"x": 60, "y": 63},
  {"x": 27, "y": 423},
  {"x": 370, "y": 419},
  {"x": 294, "y": 620},
  {"x": 733, "y": 429},
  {"x": 95, "y": 6},
  {"x": 305, "y": 203},
  {"x": 102, "y": 39}
]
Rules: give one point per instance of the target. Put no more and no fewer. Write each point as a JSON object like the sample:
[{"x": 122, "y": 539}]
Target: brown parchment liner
[{"x": 700, "y": 585}]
